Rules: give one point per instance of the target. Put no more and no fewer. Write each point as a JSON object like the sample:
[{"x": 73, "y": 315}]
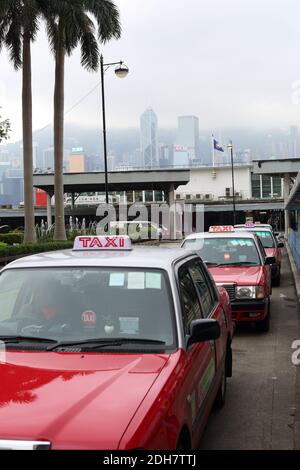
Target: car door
[
  {"x": 266, "y": 268},
  {"x": 200, "y": 357},
  {"x": 211, "y": 306}
]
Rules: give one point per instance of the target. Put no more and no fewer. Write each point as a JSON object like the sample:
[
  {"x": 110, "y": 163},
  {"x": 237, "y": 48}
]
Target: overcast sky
[{"x": 230, "y": 62}]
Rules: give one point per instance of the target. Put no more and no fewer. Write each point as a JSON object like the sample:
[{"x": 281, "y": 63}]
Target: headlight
[{"x": 246, "y": 292}]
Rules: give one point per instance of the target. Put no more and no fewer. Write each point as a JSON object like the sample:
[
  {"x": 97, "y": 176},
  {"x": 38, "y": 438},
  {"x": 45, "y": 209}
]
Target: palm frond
[{"x": 107, "y": 16}]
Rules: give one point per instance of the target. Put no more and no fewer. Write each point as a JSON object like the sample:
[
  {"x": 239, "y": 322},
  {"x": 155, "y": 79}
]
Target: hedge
[
  {"x": 11, "y": 238},
  {"x": 32, "y": 248}
]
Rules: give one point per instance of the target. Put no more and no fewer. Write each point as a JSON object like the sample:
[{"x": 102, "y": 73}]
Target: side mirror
[
  {"x": 270, "y": 260},
  {"x": 204, "y": 330},
  {"x": 280, "y": 244}
]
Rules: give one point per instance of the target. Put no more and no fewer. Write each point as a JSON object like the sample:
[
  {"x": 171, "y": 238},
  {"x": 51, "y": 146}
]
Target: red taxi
[
  {"x": 270, "y": 244},
  {"x": 237, "y": 261},
  {"x": 109, "y": 347}
]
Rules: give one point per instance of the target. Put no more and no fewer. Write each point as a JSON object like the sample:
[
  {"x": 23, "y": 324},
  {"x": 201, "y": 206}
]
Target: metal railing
[{"x": 294, "y": 243}]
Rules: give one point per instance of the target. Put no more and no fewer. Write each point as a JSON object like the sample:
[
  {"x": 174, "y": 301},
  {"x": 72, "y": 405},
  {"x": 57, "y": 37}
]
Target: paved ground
[{"x": 260, "y": 412}]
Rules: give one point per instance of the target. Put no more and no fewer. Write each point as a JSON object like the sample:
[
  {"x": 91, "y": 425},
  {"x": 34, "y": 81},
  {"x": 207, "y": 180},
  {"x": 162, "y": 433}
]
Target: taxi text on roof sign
[
  {"x": 96, "y": 243},
  {"x": 221, "y": 228}
]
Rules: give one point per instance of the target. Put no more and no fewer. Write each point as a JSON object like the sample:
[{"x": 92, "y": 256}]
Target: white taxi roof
[
  {"x": 239, "y": 234},
  {"x": 257, "y": 228},
  {"x": 139, "y": 257}
]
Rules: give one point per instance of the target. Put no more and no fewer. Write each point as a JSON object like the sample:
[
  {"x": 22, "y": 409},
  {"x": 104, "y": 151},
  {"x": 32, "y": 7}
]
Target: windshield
[
  {"x": 266, "y": 238},
  {"x": 225, "y": 251},
  {"x": 82, "y": 304}
]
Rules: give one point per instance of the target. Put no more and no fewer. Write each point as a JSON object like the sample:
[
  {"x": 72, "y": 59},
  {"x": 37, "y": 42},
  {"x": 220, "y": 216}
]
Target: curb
[{"x": 296, "y": 274}]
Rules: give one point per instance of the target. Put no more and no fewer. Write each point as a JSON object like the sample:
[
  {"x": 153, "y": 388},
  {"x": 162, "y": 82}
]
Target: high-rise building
[
  {"x": 165, "y": 155},
  {"x": 294, "y": 142},
  {"x": 48, "y": 158},
  {"x": 188, "y": 136},
  {"x": 149, "y": 143},
  {"x": 77, "y": 160}
]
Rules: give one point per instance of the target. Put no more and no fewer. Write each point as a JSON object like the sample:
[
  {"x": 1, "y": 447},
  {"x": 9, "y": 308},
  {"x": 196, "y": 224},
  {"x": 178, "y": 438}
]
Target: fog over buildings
[{"x": 233, "y": 64}]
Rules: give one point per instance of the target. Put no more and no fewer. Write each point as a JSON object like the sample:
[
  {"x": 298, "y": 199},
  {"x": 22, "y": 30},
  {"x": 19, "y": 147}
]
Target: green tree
[
  {"x": 18, "y": 28},
  {"x": 72, "y": 23},
  {"x": 4, "y": 129}
]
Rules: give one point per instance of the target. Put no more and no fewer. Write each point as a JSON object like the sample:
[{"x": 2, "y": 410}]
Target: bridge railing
[{"x": 294, "y": 243}]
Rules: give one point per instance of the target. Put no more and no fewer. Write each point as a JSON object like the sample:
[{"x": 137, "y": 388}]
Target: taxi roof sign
[
  {"x": 221, "y": 228},
  {"x": 102, "y": 243}
]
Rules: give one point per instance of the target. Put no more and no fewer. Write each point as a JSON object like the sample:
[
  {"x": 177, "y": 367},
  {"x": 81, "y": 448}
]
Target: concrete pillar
[
  {"x": 286, "y": 193},
  {"x": 73, "y": 201},
  {"x": 49, "y": 210},
  {"x": 171, "y": 201}
]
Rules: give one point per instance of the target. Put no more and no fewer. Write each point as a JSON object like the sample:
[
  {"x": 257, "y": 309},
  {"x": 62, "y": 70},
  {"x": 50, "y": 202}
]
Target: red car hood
[
  {"x": 242, "y": 275},
  {"x": 83, "y": 401}
]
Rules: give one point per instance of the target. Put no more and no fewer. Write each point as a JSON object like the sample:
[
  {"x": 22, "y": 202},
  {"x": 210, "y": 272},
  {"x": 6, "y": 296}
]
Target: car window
[
  {"x": 266, "y": 238},
  {"x": 225, "y": 251},
  {"x": 191, "y": 308},
  {"x": 261, "y": 247},
  {"x": 86, "y": 303},
  {"x": 202, "y": 284}
]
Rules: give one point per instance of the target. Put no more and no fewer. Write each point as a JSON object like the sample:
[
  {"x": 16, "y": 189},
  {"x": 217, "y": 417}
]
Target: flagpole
[
  {"x": 213, "y": 150},
  {"x": 230, "y": 147}
]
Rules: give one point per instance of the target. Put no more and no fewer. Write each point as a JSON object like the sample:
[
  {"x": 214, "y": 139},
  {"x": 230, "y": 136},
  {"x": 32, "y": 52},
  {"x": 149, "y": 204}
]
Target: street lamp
[
  {"x": 121, "y": 71},
  {"x": 230, "y": 147}
]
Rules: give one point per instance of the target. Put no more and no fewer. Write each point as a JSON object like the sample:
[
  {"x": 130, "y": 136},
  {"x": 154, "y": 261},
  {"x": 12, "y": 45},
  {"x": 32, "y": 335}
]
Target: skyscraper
[
  {"x": 188, "y": 136},
  {"x": 149, "y": 143},
  {"x": 77, "y": 160},
  {"x": 294, "y": 142}
]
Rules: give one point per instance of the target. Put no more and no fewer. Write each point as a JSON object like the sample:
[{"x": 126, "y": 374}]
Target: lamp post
[
  {"x": 230, "y": 148},
  {"x": 121, "y": 71}
]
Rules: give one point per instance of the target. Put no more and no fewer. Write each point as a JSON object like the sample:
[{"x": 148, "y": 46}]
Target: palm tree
[
  {"x": 18, "y": 28},
  {"x": 4, "y": 129},
  {"x": 71, "y": 23}
]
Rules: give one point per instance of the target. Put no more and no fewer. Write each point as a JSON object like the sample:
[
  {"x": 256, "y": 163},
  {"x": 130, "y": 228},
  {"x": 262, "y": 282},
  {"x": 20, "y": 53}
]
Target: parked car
[
  {"x": 110, "y": 347},
  {"x": 238, "y": 262}
]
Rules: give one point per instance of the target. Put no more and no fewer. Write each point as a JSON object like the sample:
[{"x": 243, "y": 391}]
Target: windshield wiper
[
  {"x": 211, "y": 263},
  {"x": 20, "y": 338},
  {"x": 98, "y": 343}
]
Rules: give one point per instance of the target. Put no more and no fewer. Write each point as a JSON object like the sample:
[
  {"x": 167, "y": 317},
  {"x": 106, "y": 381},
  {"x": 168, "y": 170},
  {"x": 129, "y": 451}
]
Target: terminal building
[{"x": 261, "y": 190}]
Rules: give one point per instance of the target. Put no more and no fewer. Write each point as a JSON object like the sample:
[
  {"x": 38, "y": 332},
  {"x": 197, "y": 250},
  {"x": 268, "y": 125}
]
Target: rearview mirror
[
  {"x": 204, "y": 330},
  {"x": 270, "y": 260}
]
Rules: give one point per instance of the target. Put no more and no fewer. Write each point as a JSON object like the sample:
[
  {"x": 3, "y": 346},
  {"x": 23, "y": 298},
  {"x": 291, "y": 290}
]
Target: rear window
[{"x": 225, "y": 251}]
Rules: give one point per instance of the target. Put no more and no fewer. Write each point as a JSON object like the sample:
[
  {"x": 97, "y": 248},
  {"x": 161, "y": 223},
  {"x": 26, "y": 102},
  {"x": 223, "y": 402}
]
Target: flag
[{"x": 217, "y": 146}]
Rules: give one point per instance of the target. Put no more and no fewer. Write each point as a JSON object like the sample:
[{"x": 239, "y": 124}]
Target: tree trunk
[
  {"x": 30, "y": 233},
  {"x": 60, "y": 230}
]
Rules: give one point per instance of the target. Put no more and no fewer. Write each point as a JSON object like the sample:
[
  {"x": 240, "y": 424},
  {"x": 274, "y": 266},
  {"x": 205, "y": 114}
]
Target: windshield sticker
[
  {"x": 89, "y": 318},
  {"x": 136, "y": 280},
  {"x": 116, "y": 279},
  {"x": 153, "y": 281},
  {"x": 129, "y": 325}
]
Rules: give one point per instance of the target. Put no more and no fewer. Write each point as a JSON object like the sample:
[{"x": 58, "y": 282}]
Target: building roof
[
  {"x": 276, "y": 167},
  {"x": 158, "y": 179}
]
